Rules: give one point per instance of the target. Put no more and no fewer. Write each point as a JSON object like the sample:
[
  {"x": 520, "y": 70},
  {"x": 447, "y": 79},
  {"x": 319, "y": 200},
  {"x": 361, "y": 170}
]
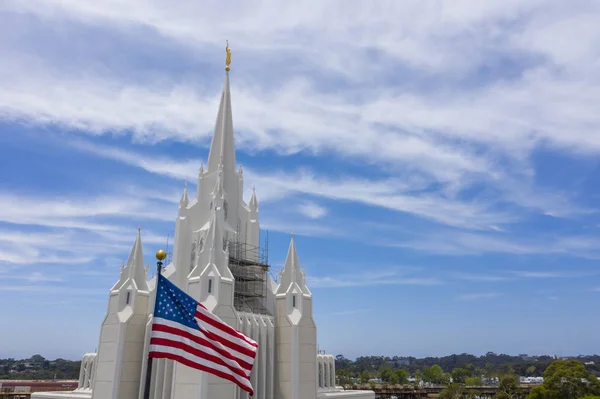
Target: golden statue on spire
[{"x": 227, "y": 57}]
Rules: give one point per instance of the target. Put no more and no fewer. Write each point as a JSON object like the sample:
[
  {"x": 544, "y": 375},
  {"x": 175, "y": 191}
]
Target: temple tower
[
  {"x": 296, "y": 345},
  {"x": 121, "y": 346}
]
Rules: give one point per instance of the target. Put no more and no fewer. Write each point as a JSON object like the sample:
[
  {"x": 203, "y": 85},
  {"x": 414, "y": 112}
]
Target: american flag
[{"x": 185, "y": 331}]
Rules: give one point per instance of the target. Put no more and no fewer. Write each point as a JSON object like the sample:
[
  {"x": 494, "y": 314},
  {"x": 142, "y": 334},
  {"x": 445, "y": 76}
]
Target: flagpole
[{"x": 160, "y": 256}]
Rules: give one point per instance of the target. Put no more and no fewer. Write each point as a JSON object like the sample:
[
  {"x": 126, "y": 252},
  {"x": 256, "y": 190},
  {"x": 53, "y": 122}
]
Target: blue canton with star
[{"x": 174, "y": 304}]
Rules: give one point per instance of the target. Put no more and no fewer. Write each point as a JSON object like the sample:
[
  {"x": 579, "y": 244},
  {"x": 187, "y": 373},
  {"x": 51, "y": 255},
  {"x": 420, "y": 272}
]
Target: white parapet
[
  {"x": 84, "y": 385},
  {"x": 326, "y": 382}
]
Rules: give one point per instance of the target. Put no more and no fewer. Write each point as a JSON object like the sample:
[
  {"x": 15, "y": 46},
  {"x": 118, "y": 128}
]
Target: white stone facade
[{"x": 209, "y": 230}]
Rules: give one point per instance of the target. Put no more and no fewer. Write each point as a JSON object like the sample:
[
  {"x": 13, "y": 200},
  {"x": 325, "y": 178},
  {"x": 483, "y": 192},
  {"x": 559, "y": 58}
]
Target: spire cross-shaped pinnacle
[{"x": 222, "y": 141}]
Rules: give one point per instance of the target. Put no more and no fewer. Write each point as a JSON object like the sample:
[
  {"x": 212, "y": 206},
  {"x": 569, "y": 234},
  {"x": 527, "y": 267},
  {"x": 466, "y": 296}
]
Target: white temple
[{"x": 217, "y": 259}]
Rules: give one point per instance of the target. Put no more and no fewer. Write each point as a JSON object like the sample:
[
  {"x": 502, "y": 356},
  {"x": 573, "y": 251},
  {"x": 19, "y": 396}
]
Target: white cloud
[
  {"x": 76, "y": 211},
  {"x": 395, "y": 194},
  {"x": 552, "y": 274},
  {"x": 478, "y": 296},
  {"x": 373, "y": 278},
  {"x": 66, "y": 231},
  {"x": 453, "y": 242},
  {"x": 55, "y": 289},
  {"x": 452, "y": 136},
  {"x": 481, "y": 277},
  {"x": 312, "y": 210}
]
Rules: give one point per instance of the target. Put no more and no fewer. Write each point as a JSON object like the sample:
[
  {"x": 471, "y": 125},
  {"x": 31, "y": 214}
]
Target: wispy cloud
[
  {"x": 46, "y": 289},
  {"x": 477, "y": 134},
  {"x": 374, "y": 278},
  {"x": 78, "y": 212},
  {"x": 312, "y": 210},
  {"x": 456, "y": 242},
  {"x": 409, "y": 196},
  {"x": 481, "y": 277},
  {"x": 552, "y": 274},
  {"x": 478, "y": 296}
]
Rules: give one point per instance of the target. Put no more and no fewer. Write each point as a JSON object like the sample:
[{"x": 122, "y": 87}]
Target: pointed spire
[
  {"x": 292, "y": 263},
  {"x": 241, "y": 170},
  {"x": 201, "y": 170},
  {"x": 292, "y": 271},
  {"x": 135, "y": 269},
  {"x": 184, "y": 197},
  {"x": 222, "y": 150},
  {"x": 253, "y": 201}
]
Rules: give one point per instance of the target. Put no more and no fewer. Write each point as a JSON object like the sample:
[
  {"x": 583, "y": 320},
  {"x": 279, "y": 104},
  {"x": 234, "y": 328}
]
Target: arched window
[
  {"x": 225, "y": 209},
  {"x": 211, "y": 205},
  {"x": 201, "y": 245},
  {"x": 224, "y": 243}
]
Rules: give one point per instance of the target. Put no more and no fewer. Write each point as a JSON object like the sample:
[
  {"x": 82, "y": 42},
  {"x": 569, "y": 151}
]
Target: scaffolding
[{"x": 249, "y": 265}]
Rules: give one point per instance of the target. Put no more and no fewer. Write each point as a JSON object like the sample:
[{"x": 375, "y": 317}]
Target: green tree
[
  {"x": 418, "y": 376},
  {"x": 433, "y": 374},
  {"x": 386, "y": 374},
  {"x": 401, "y": 376},
  {"x": 37, "y": 359},
  {"x": 509, "y": 388},
  {"x": 364, "y": 377},
  {"x": 566, "y": 379},
  {"x": 473, "y": 381},
  {"x": 453, "y": 391},
  {"x": 459, "y": 375}
]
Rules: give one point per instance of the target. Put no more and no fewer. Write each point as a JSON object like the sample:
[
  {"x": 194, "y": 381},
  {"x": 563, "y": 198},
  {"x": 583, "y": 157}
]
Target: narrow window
[
  {"x": 128, "y": 298},
  {"x": 225, "y": 208},
  {"x": 294, "y": 301},
  {"x": 193, "y": 256},
  {"x": 210, "y": 286},
  {"x": 211, "y": 204},
  {"x": 201, "y": 245}
]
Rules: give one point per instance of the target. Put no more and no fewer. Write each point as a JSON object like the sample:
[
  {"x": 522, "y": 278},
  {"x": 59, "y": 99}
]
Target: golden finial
[
  {"x": 161, "y": 254},
  {"x": 228, "y": 56}
]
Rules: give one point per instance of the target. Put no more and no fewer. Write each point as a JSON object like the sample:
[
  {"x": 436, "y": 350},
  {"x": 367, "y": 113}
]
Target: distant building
[{"x": 531, "y": 380}]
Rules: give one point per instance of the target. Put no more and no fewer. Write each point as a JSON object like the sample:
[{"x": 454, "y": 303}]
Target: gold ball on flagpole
[{"x": 161, "y": 254}]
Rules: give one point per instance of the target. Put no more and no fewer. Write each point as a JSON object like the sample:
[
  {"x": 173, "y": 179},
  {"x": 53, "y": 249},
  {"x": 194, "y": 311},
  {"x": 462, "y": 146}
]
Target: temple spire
[
  {"x": 134, "y": 268},
  {"x": 253, "y": 201},
  {"x": 222, "y": 150},
  {"x": 292, "y": 272},
  {"x": 183, "y": 203}
]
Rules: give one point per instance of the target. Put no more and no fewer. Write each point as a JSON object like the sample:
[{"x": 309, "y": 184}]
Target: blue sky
[{"x": 438, "y": 162}]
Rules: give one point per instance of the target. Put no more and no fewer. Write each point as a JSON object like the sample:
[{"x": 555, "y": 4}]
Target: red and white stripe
[{"x": 216, "y": 347}]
